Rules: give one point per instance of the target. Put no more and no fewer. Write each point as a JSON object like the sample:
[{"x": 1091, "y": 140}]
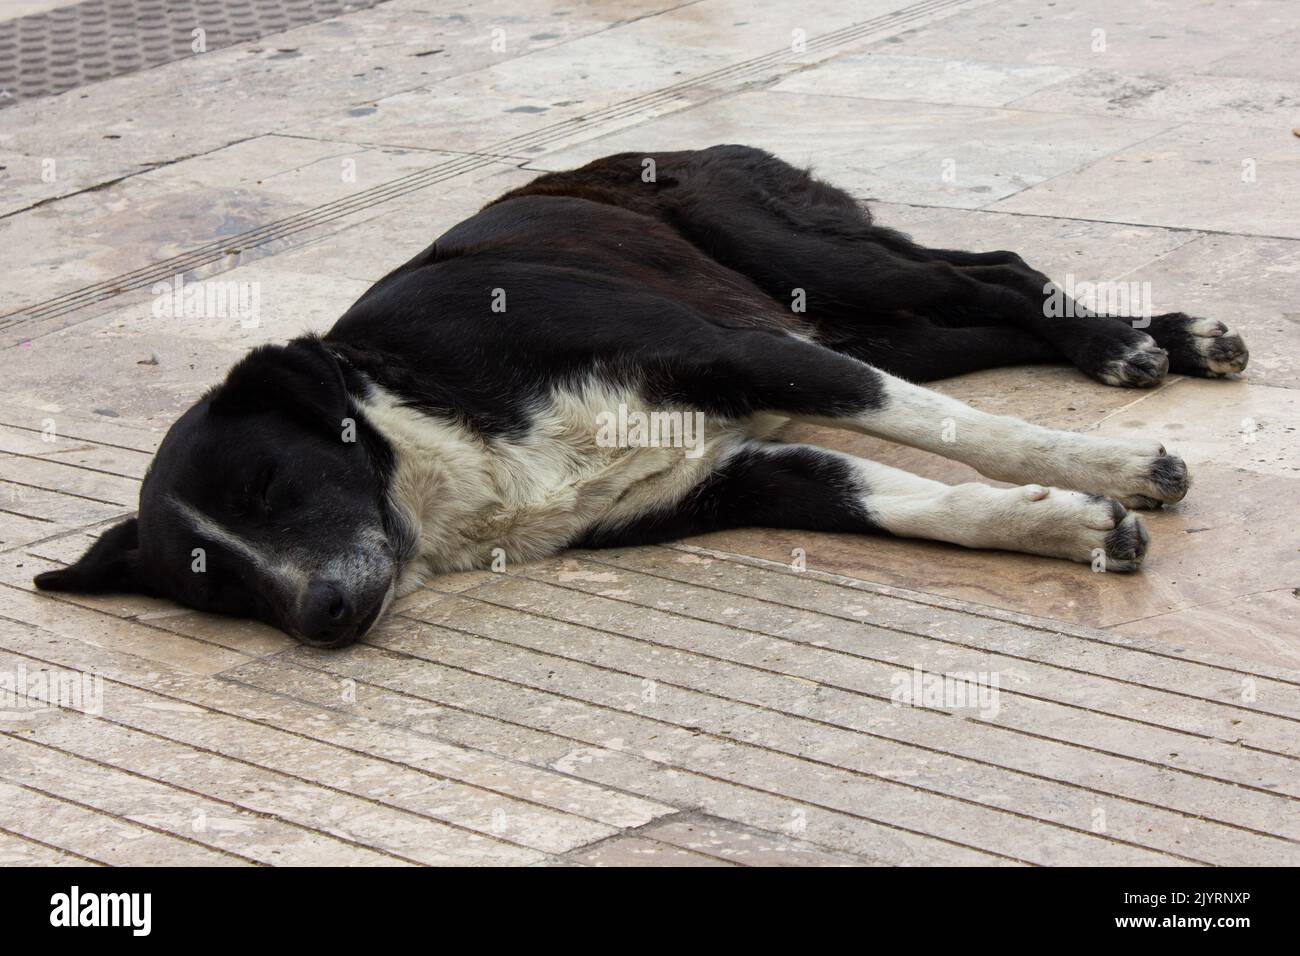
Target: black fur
[{"x": 793, "y": 486}]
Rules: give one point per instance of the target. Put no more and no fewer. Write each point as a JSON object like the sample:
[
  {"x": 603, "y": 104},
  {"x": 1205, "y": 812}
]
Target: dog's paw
[
  {"x": 1080, "y": 527},
  {"x": 1204, "y": 347},
  {"x": 1149, "y": 481},
  {"x": 1125, "y": 545},
  {"x": 1138, "y": 364},
  {"x": 1138, "y": 473}
]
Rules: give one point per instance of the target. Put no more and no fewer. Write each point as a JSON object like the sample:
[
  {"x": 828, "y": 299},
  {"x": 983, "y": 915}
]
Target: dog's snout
[{"x": 327, "y": 614}]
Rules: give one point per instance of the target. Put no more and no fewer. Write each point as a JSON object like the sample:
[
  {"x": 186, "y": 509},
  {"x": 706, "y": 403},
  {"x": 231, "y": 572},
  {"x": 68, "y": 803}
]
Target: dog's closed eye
[{"x": 253, "y": 499}]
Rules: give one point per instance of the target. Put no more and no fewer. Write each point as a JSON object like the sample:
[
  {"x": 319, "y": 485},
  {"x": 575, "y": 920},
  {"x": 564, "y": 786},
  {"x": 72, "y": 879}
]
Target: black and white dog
[{"x": 477, "y": 400}]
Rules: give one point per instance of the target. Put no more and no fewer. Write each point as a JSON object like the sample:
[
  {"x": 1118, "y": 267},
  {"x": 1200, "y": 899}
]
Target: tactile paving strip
[{"x": 67, "y": 47}]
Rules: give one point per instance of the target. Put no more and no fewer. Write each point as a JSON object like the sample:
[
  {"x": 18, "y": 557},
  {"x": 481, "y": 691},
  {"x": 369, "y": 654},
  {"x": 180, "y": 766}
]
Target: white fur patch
[
  {"x": 476, "y": 499},
  {"x": 287, "y": 578}
]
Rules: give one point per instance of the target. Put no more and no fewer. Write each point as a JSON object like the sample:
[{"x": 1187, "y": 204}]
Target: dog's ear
[
  {"x": 300, "y": 378},
  {"x": 111, "y": 564}
]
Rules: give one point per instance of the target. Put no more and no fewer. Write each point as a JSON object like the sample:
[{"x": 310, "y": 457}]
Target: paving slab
[
  {"x": 1229, "y": 178},
  {"x": 890, "y": 150},
  {"x": 878, "y": 75},
  {"x": 1133, "y": 38}
]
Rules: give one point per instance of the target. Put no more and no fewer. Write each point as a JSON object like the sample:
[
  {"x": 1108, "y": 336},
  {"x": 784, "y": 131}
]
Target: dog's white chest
[{"x": 593, "y": 455}]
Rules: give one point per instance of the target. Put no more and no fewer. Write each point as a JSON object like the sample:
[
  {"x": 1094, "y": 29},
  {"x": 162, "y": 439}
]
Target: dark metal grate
[{"x": 48, "y": 53}]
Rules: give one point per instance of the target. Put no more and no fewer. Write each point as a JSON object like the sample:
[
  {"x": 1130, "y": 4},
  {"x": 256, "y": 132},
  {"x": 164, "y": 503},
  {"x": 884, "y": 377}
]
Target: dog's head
[{"x": 267, "y": 499}]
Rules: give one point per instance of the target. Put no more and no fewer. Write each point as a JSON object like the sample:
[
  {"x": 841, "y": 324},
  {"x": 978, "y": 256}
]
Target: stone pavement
[{"x": 703, "y": 703}]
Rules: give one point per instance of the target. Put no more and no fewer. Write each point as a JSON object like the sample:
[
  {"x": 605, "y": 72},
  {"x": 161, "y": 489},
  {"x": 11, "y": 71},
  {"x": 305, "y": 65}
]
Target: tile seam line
[
  {"x": 911, "y": 745},
  {"x": 695, "y": 817},
  {"x": 450, "y": 824},
  {"x": 24, "y": 456},
  {"x": 70, "y": 494},
  {"x": 51, "y": 596},
  {"x": 50, "y": 846},
  {"x": 108, "y": 183},
  {"x": 19, "y": 514},
  {"x": 64, "y": 533},
  {"x": 71, "y": 437},
  {"x": 986, "y": 611},
  {"x": 503, "y": 158},
  {"x": 993, "y": 210},
  {"x": 911, "y": 633},
  {"x": 635, "y": 833},
  {"x": 858, "y": 693},
  {"x": 263, "y": 814},
  {"x": 697, "y": 731},
  {"x": 61, "y": 305},
  {"x": 1087, "y": 164},
  {"x": 1203, "y": 604}
]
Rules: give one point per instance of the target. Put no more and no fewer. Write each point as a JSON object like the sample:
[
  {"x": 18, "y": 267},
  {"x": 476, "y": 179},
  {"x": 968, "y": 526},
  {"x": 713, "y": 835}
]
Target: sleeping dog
[{"x": 602, "y": 358}]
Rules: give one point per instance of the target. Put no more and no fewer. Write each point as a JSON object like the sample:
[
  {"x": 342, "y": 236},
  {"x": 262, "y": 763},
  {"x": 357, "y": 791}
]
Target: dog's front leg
[
  {"x": 1138, "y": 473},
  {"x": 761, "y": 372}
]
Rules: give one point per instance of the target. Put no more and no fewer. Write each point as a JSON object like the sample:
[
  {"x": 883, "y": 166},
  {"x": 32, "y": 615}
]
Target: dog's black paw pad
[
  {"x": 1204, "y": 347},
  {"x": 1126, "y": 546},
  {"x": 1170, "y": 478},
  {"x": 1138, "y": 366}
]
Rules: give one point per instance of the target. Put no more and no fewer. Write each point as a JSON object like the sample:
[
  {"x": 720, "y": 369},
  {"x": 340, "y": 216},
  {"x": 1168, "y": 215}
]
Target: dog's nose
[{"x": 326, "y": 613}]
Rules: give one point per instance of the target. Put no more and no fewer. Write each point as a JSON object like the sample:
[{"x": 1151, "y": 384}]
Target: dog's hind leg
[
  {"x": 794, "y": 235},
  {"x": 801, "y": 487},
  {"x": 922, "y": 351},
  {"x": 1116, "y": 350}
]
